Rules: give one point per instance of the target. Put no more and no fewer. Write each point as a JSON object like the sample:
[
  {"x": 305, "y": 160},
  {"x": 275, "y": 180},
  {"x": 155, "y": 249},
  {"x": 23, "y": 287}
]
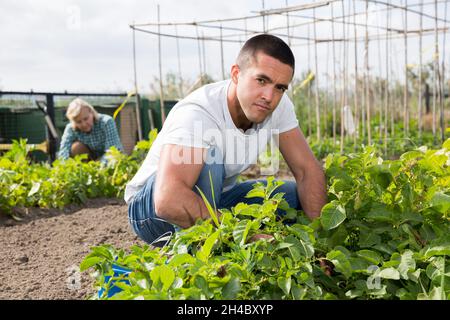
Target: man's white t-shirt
[{"x": 203, "y": 120}]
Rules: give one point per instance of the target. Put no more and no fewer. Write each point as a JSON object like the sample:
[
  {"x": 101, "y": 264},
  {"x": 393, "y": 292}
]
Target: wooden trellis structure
[{"x": 364, "y": 77}]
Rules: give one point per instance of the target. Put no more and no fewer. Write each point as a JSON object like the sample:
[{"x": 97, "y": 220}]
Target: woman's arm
[
  {"x": 111, "y": 137},
  {"x": 66, "y": 142}
]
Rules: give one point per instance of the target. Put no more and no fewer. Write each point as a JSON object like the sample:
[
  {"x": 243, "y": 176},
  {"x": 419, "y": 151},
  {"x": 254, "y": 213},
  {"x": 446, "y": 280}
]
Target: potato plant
[
  {"x": 26, "y": 184},
  {"x": 384, "y": 234}
]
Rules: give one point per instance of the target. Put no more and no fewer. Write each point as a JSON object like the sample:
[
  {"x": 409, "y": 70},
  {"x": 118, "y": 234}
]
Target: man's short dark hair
[{"x": 267, "y": 44}]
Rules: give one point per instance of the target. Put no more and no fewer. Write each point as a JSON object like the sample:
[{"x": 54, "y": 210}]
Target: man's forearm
[
  {"x": 312, "y": 192},
  {"x": 183, "y": 207}
]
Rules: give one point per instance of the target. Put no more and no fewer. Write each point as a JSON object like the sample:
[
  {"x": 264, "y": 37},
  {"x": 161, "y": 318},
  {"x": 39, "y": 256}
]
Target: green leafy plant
[
  {"x": 384, "y": 234},
  {"x": 27, "y": 184}
]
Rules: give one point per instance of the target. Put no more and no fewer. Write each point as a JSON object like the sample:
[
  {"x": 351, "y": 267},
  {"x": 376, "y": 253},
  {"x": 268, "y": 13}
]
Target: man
[
  {"x": 88, "y": 132},
  {"x": 212, "y": 132}
]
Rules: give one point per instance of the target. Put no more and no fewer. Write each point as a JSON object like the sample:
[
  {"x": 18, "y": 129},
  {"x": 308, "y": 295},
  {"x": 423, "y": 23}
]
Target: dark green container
[
  {"x": 155, "y": 109},
  {"x": 25, "y": 123}
]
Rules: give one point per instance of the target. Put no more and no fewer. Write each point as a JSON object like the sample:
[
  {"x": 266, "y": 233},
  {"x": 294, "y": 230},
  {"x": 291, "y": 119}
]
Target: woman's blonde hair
[{"x": 74, "y": 109}]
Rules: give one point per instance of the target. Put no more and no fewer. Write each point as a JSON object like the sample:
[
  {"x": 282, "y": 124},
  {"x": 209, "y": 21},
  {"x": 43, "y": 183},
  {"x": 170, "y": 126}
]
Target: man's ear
[{"x": 235, "y": 73}]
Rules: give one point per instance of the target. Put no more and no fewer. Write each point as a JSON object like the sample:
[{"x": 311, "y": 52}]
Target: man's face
[
  {"x": 260, "y": 86},
  {"x": 85, "y": 120}
]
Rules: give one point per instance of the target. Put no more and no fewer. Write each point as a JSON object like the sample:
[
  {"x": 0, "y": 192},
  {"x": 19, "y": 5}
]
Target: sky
[{"x": 86, "y": 46}]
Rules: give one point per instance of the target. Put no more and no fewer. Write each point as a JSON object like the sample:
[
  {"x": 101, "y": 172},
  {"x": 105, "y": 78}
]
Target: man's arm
[
  {"x": 310, "y": 178},
  {"x": 175, "y": 201}
]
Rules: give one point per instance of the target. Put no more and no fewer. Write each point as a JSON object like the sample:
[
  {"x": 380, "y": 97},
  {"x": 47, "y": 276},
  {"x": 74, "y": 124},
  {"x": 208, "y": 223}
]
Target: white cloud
[{"x": 87, "y": 45}]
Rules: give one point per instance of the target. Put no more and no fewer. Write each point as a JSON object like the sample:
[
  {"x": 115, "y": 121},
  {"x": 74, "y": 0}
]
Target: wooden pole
[
  {"x": 436, "y": 67},
  {"x": 386, "y": 89},
  {"x": 334, "y": 74},
  {"x": 221, "y": 53},
  {"x": 366, "y": 77},
  {"x": 245, "y": 28},
  {"x": 379, "y": 90},
  {"x": 316, "y": 82},
  {"x": 287, "y": 24},
  {"x": 137, "y": 99},
  {"x": 344, "y": 78},
  {"x": 309, "y": 87},
  {"x": 405, "y": 91},
  {"x": 442, "y": 81},
  {"x": 199, "y": 56},
  {"x": 394, "y": 96},
  {"x": 161, "y": 90},
  {"x": 180, "y": 77},
  {"x": 263, "y": 18},
  {"x": 355, "y": 95},
  {"x": 419, "y": 113},
  {"x": 204, "y": 54},
  {"x": 325, "y": 102}
]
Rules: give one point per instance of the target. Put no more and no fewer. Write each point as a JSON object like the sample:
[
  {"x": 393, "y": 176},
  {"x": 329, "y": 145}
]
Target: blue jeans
[{"x": 154, "y": 230}]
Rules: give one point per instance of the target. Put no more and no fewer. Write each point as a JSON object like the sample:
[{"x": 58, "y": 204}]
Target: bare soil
[{"x": 40, "y": 255}]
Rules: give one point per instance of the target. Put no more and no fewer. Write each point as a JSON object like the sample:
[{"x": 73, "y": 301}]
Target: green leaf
[
  {"x": 380, "y": 212},
  {"x": 302, "y": 232},
  {"x": 446, "y": 144},
  {"x": 411, "y": 216},
  {"x": 298, "y": 293},
  {"x": 337, "y": 236},
  {"x": 306, "y": 248},
  {"x": 89, "y": 262},
  {"x": 437, "y": 251},
  {"x": 102, "y": 251},
  {"x": 255, "y": 193},
  {"x": 381, "y": 175},
  {"x": 341, "y": 262},
  {"x": 205, "y": 251},
  {"x": 407, "y": 264},
  {"x": 201, "y": 283},
  {"x": 435, "y": 294},
  {"x": 285, "y": 284},
  {"x": 164, "y": 274},
  {"x": 179, "y": 259},
  {"x": 231, "y": 289},
  {"x": 35, "y": 188},
  {"x": 383, "y": 248},
  {"x": 441, "y": 202},
  {"x": 389, "y": 273},
  {"x": 268, "y": 208},
  {"x": 371, "y": 256},
  {"x": 410, "y": 155},
  {"x": 332, "y": 215},
  {"x": 272, "y": 185},
  {"x": 297, "y": 248},
  {"x": 283, "y": 245},
  {"x": 240, "y": 231},
  {"x": 245, "y": 209},
  {"x": 359, "y": 264},
  {"x": 211, "y": 211},
  {"x": 368, "y": 238}
]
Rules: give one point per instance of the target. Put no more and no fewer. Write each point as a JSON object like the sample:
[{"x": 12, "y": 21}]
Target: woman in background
[{"x": 88, "y": 132}]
